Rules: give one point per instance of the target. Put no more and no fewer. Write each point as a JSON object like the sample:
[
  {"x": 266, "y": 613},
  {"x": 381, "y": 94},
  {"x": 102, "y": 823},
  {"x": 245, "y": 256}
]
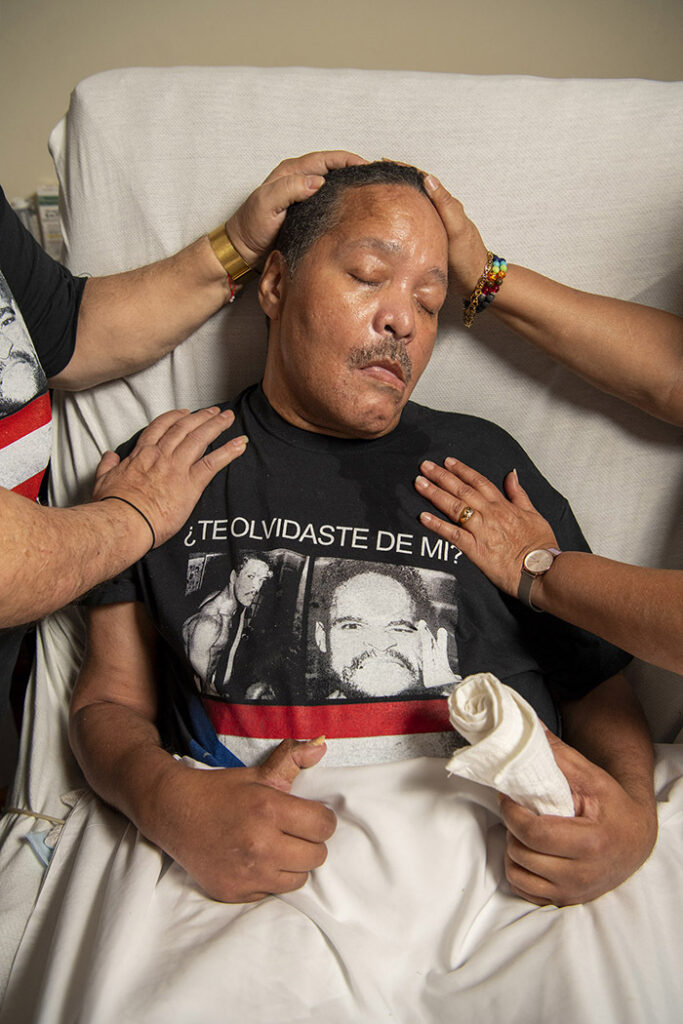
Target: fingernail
[
  {"x": 427, "y": 465},
  {"x": 421, "y": 482},
  {"x": 430, "y": 182},
  {"x": 317, "y": 742},
  {"x": 242, "y": 439},
  {"x": 314, "y": 181},
  {"x": 450, "y": 462},
  {"x": 515, "y": 475},
  {"x": 425, "y": 517}
]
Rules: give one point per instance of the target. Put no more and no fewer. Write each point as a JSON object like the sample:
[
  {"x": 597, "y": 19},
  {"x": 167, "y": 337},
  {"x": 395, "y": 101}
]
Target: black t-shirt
[
  {"x": 39, "y": 303},
  {"x": 304, "y": 597}
]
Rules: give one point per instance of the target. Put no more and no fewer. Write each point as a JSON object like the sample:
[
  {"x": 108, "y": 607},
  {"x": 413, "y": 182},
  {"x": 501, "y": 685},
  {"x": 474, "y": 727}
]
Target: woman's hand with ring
[{"x": 493, "y": 529}]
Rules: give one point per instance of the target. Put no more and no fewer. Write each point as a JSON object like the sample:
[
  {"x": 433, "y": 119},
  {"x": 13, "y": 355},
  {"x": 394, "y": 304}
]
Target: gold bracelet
[
  {"x": 227, "y": 254},
  {"x": 472, "y": 304}
]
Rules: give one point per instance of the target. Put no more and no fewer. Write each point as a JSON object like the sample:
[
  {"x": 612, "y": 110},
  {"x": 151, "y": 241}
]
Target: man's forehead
[
  {"x": 253, "y": 565},
  {"x": 385, "y": 219},
  {"x": 363, "y": 588}
]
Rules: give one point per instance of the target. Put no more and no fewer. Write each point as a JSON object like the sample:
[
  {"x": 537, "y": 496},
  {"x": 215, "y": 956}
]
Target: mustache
[
  {"x": 392, "y": 349},
  {"x": 361, "y": 659}
]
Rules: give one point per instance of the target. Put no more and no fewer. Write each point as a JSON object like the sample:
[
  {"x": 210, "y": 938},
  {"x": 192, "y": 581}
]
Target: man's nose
[
  {"x": 396, "y": 315},
  {"x": 379, "y": 640}
]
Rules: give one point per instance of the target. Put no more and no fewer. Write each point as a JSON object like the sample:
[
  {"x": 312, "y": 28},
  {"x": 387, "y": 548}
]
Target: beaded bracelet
[{"x": 485, "y": 291}]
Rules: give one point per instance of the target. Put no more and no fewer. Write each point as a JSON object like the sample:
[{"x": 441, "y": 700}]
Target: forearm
[
  {"x": 238, "y": 832},
  {"x": 128, "y": 321},
  {"x": 626, "y": 349},
  {"x": 52, "y": 556},
  {"x": 112, "y": 718},
  {"x": 635, "y": 608},
  {"x": 121, "y": 756},
  {"x": 608, "y": 727}
]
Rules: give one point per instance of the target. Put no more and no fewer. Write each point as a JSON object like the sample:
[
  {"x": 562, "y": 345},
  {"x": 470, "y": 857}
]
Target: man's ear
[
  {"x": 320, "y": 637},
  {"x": 273, "y": 284}
]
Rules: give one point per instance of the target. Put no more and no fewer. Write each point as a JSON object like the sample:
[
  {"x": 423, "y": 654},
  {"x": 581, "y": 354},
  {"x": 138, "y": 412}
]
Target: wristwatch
[{"x": 535, "y": 564}]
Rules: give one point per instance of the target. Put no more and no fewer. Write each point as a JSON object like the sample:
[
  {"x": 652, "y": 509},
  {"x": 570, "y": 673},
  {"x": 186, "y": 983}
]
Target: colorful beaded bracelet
[{"x": 488, "y": 284}]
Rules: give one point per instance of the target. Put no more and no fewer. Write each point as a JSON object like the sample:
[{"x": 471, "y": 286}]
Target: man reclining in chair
[{"x": 316, "y": 648}]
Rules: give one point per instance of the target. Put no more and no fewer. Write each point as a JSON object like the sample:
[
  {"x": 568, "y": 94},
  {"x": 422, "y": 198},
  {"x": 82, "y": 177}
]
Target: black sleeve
[{"x": 47, "y": 294}]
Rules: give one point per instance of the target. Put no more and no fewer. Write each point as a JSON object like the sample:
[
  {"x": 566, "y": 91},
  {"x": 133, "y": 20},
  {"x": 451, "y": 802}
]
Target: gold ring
[{"x": 466, "y": 514}]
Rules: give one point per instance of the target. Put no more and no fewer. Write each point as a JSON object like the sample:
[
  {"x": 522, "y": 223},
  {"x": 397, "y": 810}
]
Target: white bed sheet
[{"x": 407, "y": 921}]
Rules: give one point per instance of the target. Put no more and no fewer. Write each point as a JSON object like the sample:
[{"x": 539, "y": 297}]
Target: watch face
[{"x": 539, "y": 561}]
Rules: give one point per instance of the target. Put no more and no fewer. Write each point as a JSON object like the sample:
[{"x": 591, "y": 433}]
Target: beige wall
[{"x": 49, "y": 45}]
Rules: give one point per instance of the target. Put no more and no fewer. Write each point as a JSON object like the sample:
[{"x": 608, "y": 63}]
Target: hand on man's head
[
  {"x": 254, "y": 227},
  {"x": 466, "y": 250}
]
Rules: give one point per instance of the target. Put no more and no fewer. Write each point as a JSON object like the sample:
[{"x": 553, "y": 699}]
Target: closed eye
[{"x": 363, "y": 280}]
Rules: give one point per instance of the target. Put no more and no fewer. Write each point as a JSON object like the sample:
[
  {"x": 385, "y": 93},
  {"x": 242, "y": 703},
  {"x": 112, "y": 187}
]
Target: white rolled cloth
[{"x": 509, "y": 749}]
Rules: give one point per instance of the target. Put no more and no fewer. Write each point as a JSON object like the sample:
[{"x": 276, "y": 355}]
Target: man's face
[
  {"x": 249, "y": 581},
  {"x": 372, "y": 643},
  {"x": 9, "y": 329},
  {"x": 20, "y": 375},
  {"x": 354, "y": 327}
]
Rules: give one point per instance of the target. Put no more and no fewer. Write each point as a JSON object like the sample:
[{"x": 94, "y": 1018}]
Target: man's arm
[
  {"x": 633, "y": 607},
  {"x": 609, "y": 767},
  {"x": 237, "y": 831},
  {"x": 128, "y": 321},
  {"x": 53, "y": 555},
  {"x": 626, "y": 349}
]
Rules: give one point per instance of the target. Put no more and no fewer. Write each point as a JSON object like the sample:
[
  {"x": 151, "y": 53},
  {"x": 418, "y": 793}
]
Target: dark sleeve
[
  {"x": 123, "y": 588},
  {"x": 47, "y": 294}
]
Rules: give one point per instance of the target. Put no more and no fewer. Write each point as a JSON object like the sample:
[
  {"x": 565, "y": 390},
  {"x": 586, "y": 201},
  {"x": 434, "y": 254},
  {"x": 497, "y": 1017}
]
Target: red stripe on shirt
[
  {"x": 335, "y": 721},
  {"x": 18, "y": 424},
  {"x": 30, "y": 488}
]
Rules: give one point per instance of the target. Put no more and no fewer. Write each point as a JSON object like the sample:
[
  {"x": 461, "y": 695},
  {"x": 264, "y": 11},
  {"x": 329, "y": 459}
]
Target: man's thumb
[
  {"x": 516, "y": 493},
  {"x": 287, "y": 760},
  {"x": 573, "y": 765},
  {"x": 107, "y": 462}
]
